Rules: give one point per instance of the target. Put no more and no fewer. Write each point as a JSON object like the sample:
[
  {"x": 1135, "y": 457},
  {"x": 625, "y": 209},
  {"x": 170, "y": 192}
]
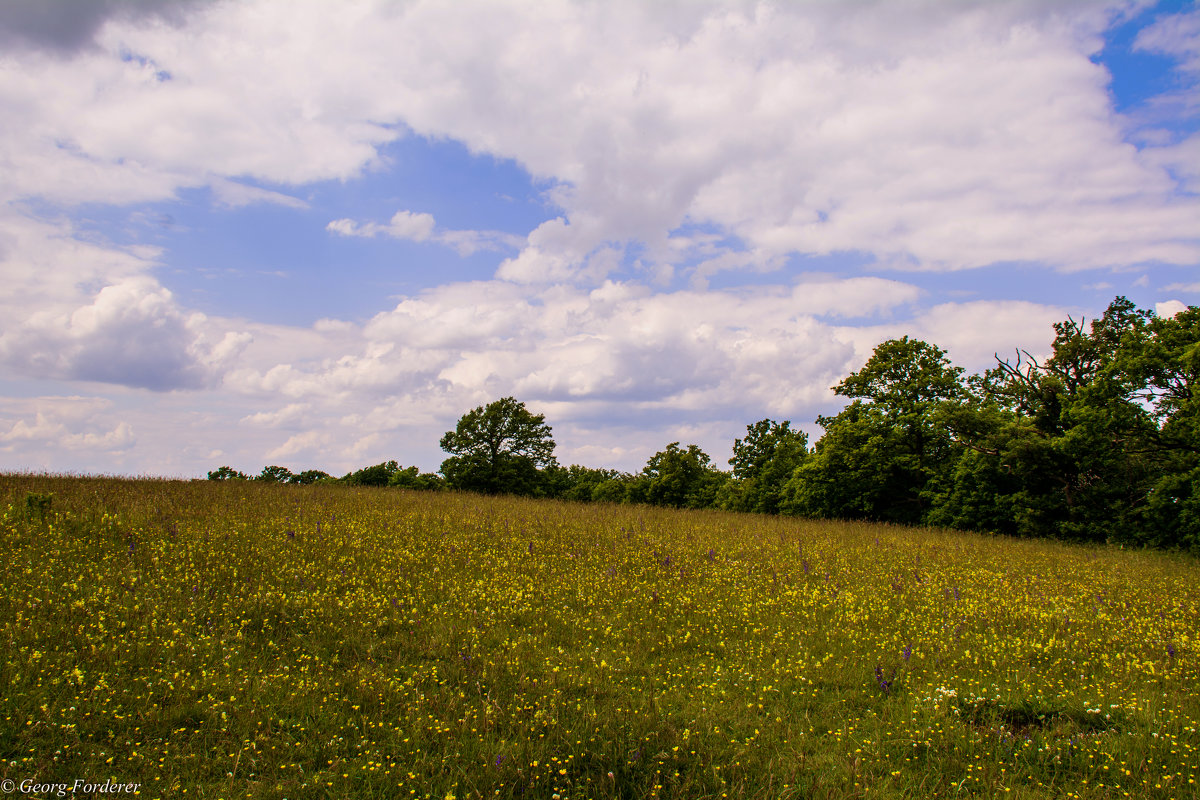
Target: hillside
[{"x": 242, "y": 639}]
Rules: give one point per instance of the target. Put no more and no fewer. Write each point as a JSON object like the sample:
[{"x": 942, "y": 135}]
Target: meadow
[{"x": 240, "y": 639}]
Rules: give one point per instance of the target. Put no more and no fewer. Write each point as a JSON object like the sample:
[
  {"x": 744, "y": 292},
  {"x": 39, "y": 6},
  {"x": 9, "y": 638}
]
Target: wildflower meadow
[{"x": 229, "y": 639}]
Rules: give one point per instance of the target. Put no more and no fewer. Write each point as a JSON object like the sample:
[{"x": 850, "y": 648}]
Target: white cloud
[
  {"x": 1176, "y": 35},
  {"x": 943, "y": 138},
  {"x": 1169, "y": 308},
  {"x": 311, "y": 443},
  {"x": 61, "y": 423},
  {"x": 402, "y": 225},
  {"x": 1181, "y": 159},
  {"x": 234, "y": 195},
  {"x": 131, "y": 333},
  {"x": 420, "y": 227},
  {"x": 620, "y": 343},
  {"x": 81, "y": 310},
  {"x": 290, "y": 414}
]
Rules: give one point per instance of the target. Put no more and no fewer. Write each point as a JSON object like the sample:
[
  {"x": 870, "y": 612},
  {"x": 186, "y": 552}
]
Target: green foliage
[
  {"x": 227, "y": 474},
  {"x": 377, "y": 475},
  {"x": 499, "y": 448},
  {"x": 1065, "y": 448},
  {"x": 1164, "y": 364},
  {"x": 883, "y": 457},
  {"x": 1099, "y": 442},
  {"x": 310, "y": 476},
  {"x": 679, "y": 478},
  {"x": 412, "y": 478},
  {"x": 763, "y": 463},
  {"x": 621, "y": 488},
  {"x": 578, "y": 482},
  {"x": 274, "y": 474}
]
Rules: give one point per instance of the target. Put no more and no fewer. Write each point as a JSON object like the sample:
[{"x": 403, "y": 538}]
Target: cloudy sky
[{"x": 313, "y": 234}]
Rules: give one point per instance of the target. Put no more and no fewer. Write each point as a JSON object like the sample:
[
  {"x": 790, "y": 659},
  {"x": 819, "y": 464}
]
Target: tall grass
[{"x": 245, "y": 640}]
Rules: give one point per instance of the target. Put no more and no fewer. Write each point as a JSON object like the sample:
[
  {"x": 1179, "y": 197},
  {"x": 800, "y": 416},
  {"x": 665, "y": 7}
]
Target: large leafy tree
[
  {"x": 679, "y": 477},
  {"x": 227, "y": 474},
  {"x": 1163, "y": 362},
  {"x": 763, "y": 462},
  {"x": 276, "y": 474},
  {"x": 499, "y": 448},
  {"x": 886, "y": 453},
  {"x": 1062, "y": 447}
]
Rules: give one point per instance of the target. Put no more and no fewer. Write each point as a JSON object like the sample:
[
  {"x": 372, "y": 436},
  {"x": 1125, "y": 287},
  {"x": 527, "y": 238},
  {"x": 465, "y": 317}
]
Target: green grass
[{"x": 246, "y": 640}]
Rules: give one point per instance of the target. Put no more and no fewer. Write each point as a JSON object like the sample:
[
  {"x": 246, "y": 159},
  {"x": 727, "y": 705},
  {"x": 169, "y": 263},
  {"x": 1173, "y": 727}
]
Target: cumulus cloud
[
  {"x": 402, "y": 225},
  {"x": 71, "y": 423},
  {"x": 132, "y": 333},
  {"x": 1169, "y": 308},
  {"x": 937, "y": 138},
  {"x": 63, "y": 26},
  {"x": 782, "y": 126},
  {"x": 420, "y": 227},
  {"x": 81, "y": 310},
  {"x": 620, "y": 342}
]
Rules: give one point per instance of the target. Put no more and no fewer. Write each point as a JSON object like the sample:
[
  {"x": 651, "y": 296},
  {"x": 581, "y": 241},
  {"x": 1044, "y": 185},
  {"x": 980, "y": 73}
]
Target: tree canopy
[
  {"x": 500, "y": 447},
  {"x": 881, "y": 456}
]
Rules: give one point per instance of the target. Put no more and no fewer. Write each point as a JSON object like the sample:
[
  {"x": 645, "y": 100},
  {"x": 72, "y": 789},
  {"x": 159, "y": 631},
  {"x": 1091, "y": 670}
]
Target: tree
[
  {"x": 413, "y": 478},
  {"x": 1167, "y": 362},
  {"x": 376, "y": 475},
  {"x": 762, "y": 464},
  {"x": 227, "y": 474},
  {"x": 681, "y": 478},
  {"x": 275, "y": 474},
  {"x": 884, "y": 455},
  {"x": 310, "y": 476},
  {"x": 1066, "y": 447},
  {"x": 499, "y": 448},
  {"x": 579, "y": 483},
  {"x": 621, "y": 488}
]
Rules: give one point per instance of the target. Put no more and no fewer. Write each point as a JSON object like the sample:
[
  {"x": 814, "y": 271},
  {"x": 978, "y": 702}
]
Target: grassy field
[{"x": 246, "y": 640}]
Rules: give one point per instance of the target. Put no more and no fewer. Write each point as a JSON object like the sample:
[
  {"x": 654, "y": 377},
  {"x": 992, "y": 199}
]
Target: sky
[{"x": 314, "y": 234}]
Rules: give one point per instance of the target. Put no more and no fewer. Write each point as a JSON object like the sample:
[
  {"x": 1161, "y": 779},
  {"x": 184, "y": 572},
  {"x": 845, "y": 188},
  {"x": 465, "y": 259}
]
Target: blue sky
[{"x": 314, "y": 234}]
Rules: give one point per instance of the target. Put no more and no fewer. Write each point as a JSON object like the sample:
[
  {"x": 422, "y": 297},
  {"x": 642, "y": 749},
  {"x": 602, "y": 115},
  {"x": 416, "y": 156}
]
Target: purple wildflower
[
  {"x": 884, "y": 683},
  {"x": 907, "y": 654}
]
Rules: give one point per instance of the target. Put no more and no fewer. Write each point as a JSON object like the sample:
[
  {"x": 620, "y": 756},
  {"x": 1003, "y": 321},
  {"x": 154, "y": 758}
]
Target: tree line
[{"x": 1100, "y": 441}]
